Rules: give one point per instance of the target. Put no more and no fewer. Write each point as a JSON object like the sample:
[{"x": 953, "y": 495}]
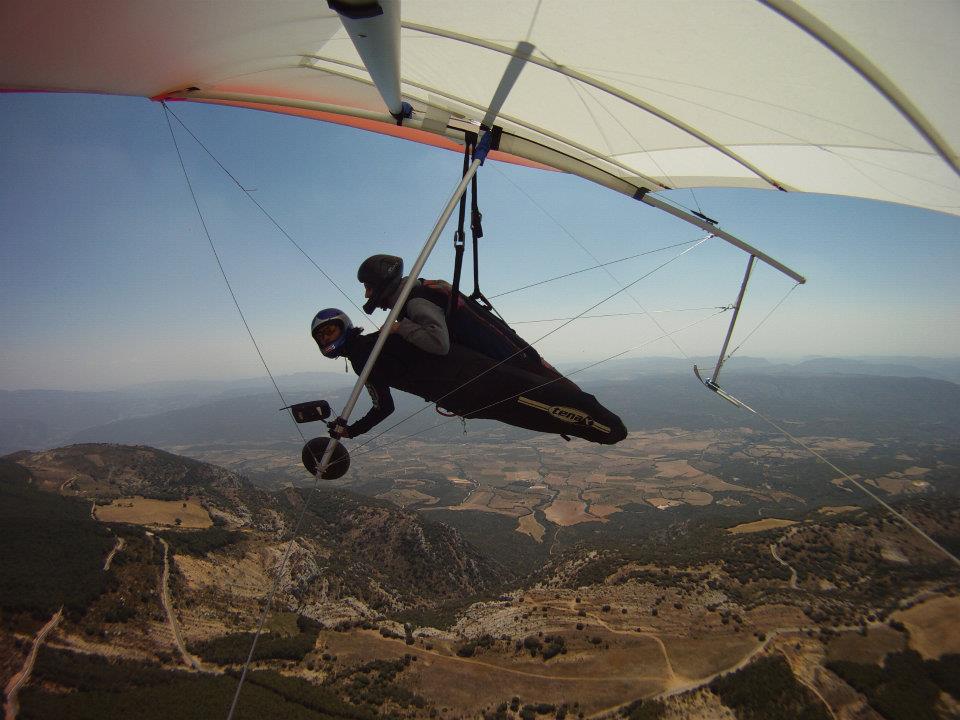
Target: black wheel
[{"x": 313, "y": 452}]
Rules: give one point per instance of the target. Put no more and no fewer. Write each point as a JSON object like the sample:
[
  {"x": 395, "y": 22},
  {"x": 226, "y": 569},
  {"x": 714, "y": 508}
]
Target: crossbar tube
[{"x": 723, "y": 235}]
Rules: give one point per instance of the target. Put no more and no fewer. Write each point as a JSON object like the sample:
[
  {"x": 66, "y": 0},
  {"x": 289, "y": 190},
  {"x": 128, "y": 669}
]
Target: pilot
[
  {"x": 421, "y": 322},
  {"x": 429, "y": 321}
]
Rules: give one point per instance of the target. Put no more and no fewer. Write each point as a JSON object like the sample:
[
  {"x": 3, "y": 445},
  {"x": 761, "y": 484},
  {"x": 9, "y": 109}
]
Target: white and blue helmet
[{"x": 331, "y": 316}]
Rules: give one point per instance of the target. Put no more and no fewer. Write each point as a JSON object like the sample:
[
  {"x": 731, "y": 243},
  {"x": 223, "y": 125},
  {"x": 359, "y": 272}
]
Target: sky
[{"x": 108, "y": 279}]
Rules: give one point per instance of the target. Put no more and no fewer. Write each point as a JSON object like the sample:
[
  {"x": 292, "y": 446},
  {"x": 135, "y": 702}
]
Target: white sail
[{"x": 839, "y": 96}]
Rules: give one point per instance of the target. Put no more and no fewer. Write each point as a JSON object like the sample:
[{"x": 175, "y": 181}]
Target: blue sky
[{"x": 107, "y": 279}]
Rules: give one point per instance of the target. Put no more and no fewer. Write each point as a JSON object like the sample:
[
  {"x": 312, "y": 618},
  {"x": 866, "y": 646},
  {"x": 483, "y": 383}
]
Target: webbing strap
[
  {"x": 476, "y": 232},
  {"x": 459, "y": 238}
]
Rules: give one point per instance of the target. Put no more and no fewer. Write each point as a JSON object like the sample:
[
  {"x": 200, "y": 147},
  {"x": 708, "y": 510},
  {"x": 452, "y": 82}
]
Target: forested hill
[
  {"x": 102, "y": 472},
  {"x": 51, "y": 549},
  {"x": 359, "y": 546}
]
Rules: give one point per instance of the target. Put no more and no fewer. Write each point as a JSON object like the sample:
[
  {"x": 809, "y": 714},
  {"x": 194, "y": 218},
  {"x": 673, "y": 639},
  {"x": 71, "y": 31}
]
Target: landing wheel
[{"x": 313, "y": 452}]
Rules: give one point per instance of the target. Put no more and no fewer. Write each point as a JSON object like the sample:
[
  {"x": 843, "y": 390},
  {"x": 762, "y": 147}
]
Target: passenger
[{"x": 464, "y": 382}]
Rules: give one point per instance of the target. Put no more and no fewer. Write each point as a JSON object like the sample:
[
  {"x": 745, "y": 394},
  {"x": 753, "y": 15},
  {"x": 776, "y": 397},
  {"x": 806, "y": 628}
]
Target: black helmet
[{"x": 382, "y": 273}]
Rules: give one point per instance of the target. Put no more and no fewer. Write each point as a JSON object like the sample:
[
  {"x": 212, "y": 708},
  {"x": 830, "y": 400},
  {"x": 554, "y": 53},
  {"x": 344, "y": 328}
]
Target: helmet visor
[{"x": 329, "y": 337}]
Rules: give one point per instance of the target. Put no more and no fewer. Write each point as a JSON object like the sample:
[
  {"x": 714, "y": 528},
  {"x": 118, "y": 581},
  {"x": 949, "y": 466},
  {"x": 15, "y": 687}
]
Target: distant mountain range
[
  {"x": 34, "y": 419},
  {"x": 933, "y": 368},
  {"x": 839, "y": 396}
]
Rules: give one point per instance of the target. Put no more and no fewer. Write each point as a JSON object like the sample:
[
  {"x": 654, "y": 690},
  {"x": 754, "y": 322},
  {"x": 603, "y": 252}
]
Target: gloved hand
[{"x": 338, "y": 429}]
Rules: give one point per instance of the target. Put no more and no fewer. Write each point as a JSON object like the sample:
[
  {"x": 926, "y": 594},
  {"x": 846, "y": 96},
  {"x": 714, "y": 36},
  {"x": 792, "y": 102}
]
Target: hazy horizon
[
  {"x": 350, "y": 377},
  {"x": 108, "y": 279}
]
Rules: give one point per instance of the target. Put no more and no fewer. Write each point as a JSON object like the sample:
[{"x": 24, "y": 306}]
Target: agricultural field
[
  {"x": 761, "y": 525},
  {"x": 144, "y": 511},
  {"x": 867, "y": 649},
  {"x": 933, "y": 626}
]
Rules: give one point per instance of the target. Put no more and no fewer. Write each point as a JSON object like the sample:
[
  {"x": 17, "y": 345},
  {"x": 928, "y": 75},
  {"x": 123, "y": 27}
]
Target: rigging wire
[
  {"x": 263, "y": 210},
  {"x": 303, "y": 252},
  {"x": 216, "y": 256},
  {"x": 628, "y": 314},
  {"x": 253, "y": 340},
  {"x": 596, "y": 260},
  {"x": 595, "y": 95},
  {"x": 692, "y": 243},
  {"x": 824, "y": 460},
  {"x": 592, "y": 267},
  {"x": 306, "y": 255},
  {"x": 533, "y": 20},
  {"x": 860, "y": 485},
  {"x": 592, "y": 93},
  {"x": 765, "y": 318}
]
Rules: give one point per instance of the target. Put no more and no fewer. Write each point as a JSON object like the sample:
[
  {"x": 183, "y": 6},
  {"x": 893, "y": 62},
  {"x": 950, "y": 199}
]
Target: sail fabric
[{"x": 845, "y": 97}]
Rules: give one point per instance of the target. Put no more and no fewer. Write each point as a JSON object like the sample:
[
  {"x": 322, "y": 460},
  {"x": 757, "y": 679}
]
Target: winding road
[
  {"x": 11, "y": 707},
  {"x": 793, "y": 573},
  {"x": 116, "y": 548}
]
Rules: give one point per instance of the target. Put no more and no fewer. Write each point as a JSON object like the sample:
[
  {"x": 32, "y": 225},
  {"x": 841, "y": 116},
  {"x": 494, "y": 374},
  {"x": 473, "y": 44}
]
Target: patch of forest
[
  {"x": 372, "y": 684},
  {"x": 533, "y": 710},
  {"x": 906, "y": 687},
  {"x": 495, "y": 535},
  {"x": 420, "y": 562},
  {"x": 99, "y": 689},
  {"x": 766, "y": 689},
  {"x": 131, "y": 589},
  {"x": 443, "y": 615},
  {"x": 51, "y": 550},
  {"x": 643, "y": 710},
  {"x": 200, "y": 542},
  {"x": 234, "y": 648}
]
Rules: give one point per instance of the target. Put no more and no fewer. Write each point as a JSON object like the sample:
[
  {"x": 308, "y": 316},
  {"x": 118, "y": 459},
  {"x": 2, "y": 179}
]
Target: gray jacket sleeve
[{"x": 425, "y": 327}]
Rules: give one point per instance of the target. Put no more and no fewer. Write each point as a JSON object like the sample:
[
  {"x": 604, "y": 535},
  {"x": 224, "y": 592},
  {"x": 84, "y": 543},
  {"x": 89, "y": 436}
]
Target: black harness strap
[
  {"x": 476, "y": 231},
  {"x": 470, "y": 143}
]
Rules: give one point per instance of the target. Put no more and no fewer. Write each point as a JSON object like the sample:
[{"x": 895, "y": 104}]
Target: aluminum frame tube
[
  {"x": 398, "y": 306},
  {"x": 723, "y": 235},
  {"x": 733, "y": 320}
]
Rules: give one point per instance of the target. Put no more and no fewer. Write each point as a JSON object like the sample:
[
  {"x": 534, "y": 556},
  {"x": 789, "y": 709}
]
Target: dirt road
[
  {"x": 188, "y": 659},
  {"x": 11, "y": 707},
  {"x": 793, "y": 573},
  {"x": 117, "y": 547}
]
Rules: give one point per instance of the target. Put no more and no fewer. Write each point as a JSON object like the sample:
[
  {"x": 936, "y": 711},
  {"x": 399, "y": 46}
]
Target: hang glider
[{"x": 831, "y": 96}]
